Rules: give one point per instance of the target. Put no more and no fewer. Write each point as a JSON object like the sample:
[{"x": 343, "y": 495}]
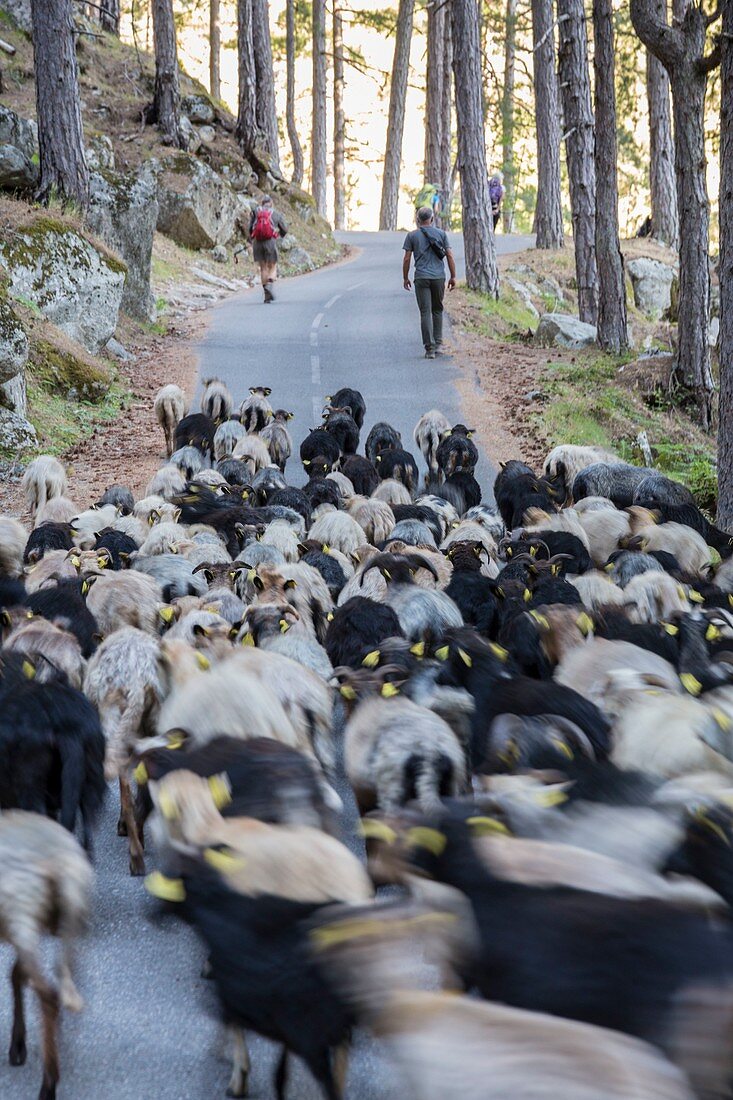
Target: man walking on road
[{"x": 430, "y": 248}]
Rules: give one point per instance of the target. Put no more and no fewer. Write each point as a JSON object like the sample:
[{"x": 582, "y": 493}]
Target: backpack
[
  {"x": 263, "y": 228},
  {"x": 428, "y": 195},
  {"x": 434, "y": 243}
]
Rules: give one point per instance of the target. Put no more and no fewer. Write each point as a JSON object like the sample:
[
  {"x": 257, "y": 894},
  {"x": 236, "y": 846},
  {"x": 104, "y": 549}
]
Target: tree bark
[
  {"x": 507, "y": 115},
  {"x": 109, "y": 16},
  {"x": 295, "y": 146},
  {"x": 396, "y": 123},
  {"x": 612, "y": 321},
  {"x": 438, "y": 134},
  {"x": 548, "y": 212},
  {"x": 214, "y": 50},
  {"x": 63, "y": 165},
  {"x": 339, "y": 121},
  {"x": 318, "y": 132},
  {"x": 662, "y": 183},
  {"x": 265, "y": 108},
  {"x": 247, "y": 109},
  {"x": 681, "y": 50},
  {"x": 478, "y": 235},
  {"x": 725, "y": 274},
  {"x": 167, "y": 96},
  {"x": 578, "y": 116}
]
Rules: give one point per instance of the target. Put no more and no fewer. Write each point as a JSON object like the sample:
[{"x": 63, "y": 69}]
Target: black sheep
[
  {"x": 120, "y": 546},
  {"x": 456, "y": 451},
  {"x": 382, "y": 437},
  {"x": 341, "y": 425},
  {"x": 329, "y": 568},
  {"x": 518, "y": 488},
  {"x": 45, "y": 537},
  {"x": 357, "y": 625},
  {"x": 422, "y": 512},
  {"x": 361, "y": 473},
  {"x": 196, "y": 430},
  {"x": 322, "y": 490},
  {"x": 398, "y": 464},
  {"x": 295, "y": 499},
  {"x": 234, "y": 470},
  {"x": 466, "y": 487},
  {"x": 121, "y": 497},
  {"x": 346, "y": 397},
  {"x": 64, "y": 605},
  {"x": 322, "y": 445}
]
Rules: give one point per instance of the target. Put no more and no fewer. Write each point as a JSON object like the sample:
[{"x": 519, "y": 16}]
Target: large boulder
[
  {"x": 197, "y": 208},
  {"x": 13, "y": 342},
  {"x": 100, "y": 154},
  {"x": 73, "y": 284},
  {"x": 294, "y": 256},
  {"x": 563, "y": 331},
  {"x": 18, "y": 159},
  {"x": 16, "y": 433},
  {"x": 651, "y": 281},
  {"x": 20, "y": 12},
  {"x": 124, "y": 212},
  {"x": 198, "y": 108}
]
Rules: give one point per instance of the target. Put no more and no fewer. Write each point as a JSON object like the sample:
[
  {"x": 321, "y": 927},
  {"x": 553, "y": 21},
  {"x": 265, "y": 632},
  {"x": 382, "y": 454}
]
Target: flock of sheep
[{"x": 532, "y": 702}]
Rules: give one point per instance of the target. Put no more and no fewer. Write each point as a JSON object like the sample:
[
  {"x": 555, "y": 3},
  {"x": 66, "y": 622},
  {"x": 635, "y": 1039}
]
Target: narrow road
[{"x": 149, "y": 1030}]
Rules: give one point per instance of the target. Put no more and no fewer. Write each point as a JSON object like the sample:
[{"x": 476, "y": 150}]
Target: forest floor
[{"x": 535, "y": 398}]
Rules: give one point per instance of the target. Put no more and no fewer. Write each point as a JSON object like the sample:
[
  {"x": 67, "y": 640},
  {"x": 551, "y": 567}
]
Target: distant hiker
[
  {"x": 265, "y": 226},
  {"x": 430, "y": 248},
  {"x": 430, "y": 195},
  {"x": 496, "y": 194}
]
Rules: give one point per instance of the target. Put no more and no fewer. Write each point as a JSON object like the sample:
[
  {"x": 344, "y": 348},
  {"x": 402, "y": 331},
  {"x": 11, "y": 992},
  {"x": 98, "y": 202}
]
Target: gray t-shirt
[{"x": 427, "y": 264}]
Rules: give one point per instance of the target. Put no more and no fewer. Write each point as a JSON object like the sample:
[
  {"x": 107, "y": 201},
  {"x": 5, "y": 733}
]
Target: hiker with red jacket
[{"x": 265, "y": 226}]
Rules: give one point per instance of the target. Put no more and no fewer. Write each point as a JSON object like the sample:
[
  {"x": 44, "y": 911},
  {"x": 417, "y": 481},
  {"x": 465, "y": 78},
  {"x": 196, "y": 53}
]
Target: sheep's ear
[
  {"x": 347, "y": 691},
  {"x": 499, "y": 652},
  {"x": 584, "y": 623},
  {"x": 258, "y": 582},
  {"x": 542, "y": 621},
  {"x": 284, "y": 626},
  {"x": 502, "y": 465},
  {"x": 153, "y": 517},
  {"x": 465, "y": 657},
  {"x": 527, "y": 595},
  {"x": 248, "y": 638},
  {"x": 87, "y": 584},
  {"x": 29, "y": 669},
  {"x": 289, "y": 416},
  {"x": 253, "y": 389},
  {"x": 306, "y": 462},
  {"x": 5, "y": 618},
  {"x": 176, "y": 740},
  {"x": 487, "y": 826},
  {"x": 221, "y": 790},
  {"x": 267, "y": 391},
  {"x": 329, "y": 616},
  {"x": 418, "y": 649},
  {"x": 443, "y": 653},
  {"x": 200, "y": 630},
  {"x": 389, "y": 690},
  {"x": 420, "y": 836},
  {"x": 690, "y": 683},
  {"x": 671, "y": 629}
]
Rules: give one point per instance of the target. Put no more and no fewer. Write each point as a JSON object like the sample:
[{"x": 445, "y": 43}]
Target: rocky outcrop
[
  {"x": 563, "y": 331},
  {"x": 100, "y": 154},
  {"x": 199, "y": 109},
  {"x": 124, "y": 211},
  {"x": 20, "y": 12},
  {"x": 16, "y": 432},
  {"x": 18, "y": 152},
  {"x": 197, "y": 208},
  {"x": 13, "y": 342},
  {"x": 292, "y": 256},
  {"x": 651, "y": 281},
  {"x": 71, "y": 282}
]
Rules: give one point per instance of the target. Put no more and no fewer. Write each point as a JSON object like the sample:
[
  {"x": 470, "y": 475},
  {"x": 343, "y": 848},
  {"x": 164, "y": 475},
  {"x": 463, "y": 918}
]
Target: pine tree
[
  {"x": 214, "y": 50},
  {"x": 438, "y": 135},
  {"x": 265, "y": 108},
  {"x": 396, "y": 122},
  {"x": 725, "y": 274},
  {"x": 662, "y": 183},
  {"x": 548, "y": 210},
  {"x": 318, "y": 131},
  {"x": 167, "y": 96},
  {"x": 339, "y": 121},
  {"x": 247, "y": 109},
  {"x": 295, "y": 146},
  {"x": 507, "y": 114}
]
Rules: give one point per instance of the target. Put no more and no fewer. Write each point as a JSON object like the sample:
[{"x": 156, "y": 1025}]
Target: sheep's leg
[
  {"x": 71, "y": 998},
  {"x": 17, "y": 1054},
  {"x": 137, "y": 859},
  {"x": 49, "y": 999},
  {"x": 281, "y": 1075},
  {"x": 340, "y": 1066},
  {"x": 240, "y": 1062}
]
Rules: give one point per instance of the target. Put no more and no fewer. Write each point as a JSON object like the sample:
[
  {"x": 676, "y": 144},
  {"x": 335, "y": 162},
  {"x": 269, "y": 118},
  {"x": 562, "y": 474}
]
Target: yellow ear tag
[
  {"x": 584, "y": 623},
  {"x": 671, "y": 629},
  {"x": 29, "y": 670},
  {"x": 372, "y": 659},
  {"x": 547, "y": 797},
  {"x": 465, "y": 657},
  {"x": 526, "y": 595},
  {"x": 167, "y": 806},
  {"x": 702, "y": 817},
  {"x": 498, "y": 650},
  {"x": 563, "y": 747},
  {"x": 347, "y": 691},
  {"x": 251, "y": 575},
  {"x": 690, "y": 683},
  {"x": 418, "y": 649},
  {"x": 76, "y": 562},
  {"x": 284, "y": 626},
  {"x": 326, "y": 548},
  {"x": 485, "y": 826},
  {"x": 541, "y": 620},
  {"x": 224, "y": 862},
  {"x": 420, "y": 836},
  {"x": 377, "y": 830},
  {"x": 329, "y": 617},
  {"x": 102, "y": 563},
  {"x": 220, "y": 790},
  {"x": 167, "y": 614},
  {"x": 533, "y": 551},
  {"x": 85, "y": 588},
  {"x": 722, "y": 719},
  {"x": 730, "y": 599},
  {"x": 248, "y": 638},
  {"x": 695, "y": 596},
  {"x": 442, "y": 653},
  {"x": 203, "y": 662},
  {"x": 712, "y": 634},
  {"x": 610, "y": 567},
  {"x": 389, "y": 691},
  {"x": 140, "y": 774},
  {"x": 175, "y": 741},
  {"x": 167, "y": 889},
  {"x": 290, "y": 584}
]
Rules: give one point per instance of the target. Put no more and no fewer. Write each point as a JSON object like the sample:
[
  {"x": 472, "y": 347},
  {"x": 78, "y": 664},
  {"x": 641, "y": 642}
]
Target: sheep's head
[
  {"x": 549, "y": 741},
  {"x": 221, "y": 574},
  {"x": 399, "y": 568},
  {"x": 266, "y": 620},
  {"x": 353, "y": 685}
]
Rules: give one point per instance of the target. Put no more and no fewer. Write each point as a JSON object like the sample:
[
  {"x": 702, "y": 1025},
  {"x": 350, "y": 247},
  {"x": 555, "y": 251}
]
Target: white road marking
[
  {"x": 316, "y": 321},
  {"x": 314, "y": 339},
  {"x": 355, "y": 286},
  {"x": 317, "y": 408},
  {"x": 315, "y": 370},
  {"x": 332, "y": 301}
]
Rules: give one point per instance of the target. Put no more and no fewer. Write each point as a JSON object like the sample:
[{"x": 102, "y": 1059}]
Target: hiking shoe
[
  {"x": 429, "y": 353},
  {"x": 269, "y": 296}
]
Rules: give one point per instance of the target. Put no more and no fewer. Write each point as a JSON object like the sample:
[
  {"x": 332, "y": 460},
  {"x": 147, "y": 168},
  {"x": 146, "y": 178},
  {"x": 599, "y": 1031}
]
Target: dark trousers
[{"x": 429, "y": 294}]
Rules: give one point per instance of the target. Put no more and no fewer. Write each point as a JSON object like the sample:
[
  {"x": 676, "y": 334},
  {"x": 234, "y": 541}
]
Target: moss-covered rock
[
  {"x": 197, "y": 207},
  {"x": 69, "y": 372},
  {"x": 123, "y": 211},
  {"x": 13, "y": 341}
]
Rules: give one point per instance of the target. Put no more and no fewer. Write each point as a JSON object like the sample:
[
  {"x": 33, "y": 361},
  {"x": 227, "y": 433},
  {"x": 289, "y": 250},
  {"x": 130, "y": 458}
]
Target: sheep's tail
[
  {"x": 430, "y": 449},
  {"x": 73, "y": 769},
  {"x": 123, "y": 732},
  {"x": 429, "y": 779}
]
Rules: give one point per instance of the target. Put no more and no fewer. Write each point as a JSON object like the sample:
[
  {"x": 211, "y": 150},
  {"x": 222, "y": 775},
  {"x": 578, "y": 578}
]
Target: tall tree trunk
[
  {"x": 662, "y": 183},
  {"x": 63, "y": 166},
  {"x": 214, "y": 50},
  {"x": 478, "y": 235},
  {"x": 438, "y": 135},
  {"x": 339, "y": 121},
  {"x": 681, "y": 49},
  {"x": 612, "y": 322},
  {"x": 265, "y": 107},
  {"x": 247, "y": 108},
  {"x": 167, "y": 96},
  {"x": 578, "y": 115},
  {"x": 318, "y": 133},
  {"x": 548, "y": 210},
  {"x": 109, "y": 16},
  {"x": 295, "y": 146},
  {"x": 507, "y": 115},
  {"x": 396, "y": 123},
  {"x": 448, "y": 170},
  {"x": 725, "y": 273}
]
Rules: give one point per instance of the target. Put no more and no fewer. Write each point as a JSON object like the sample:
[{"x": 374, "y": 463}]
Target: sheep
[
  {"x": 662, "y": 490},
  {"x": 64, "y": 605},
  {"x": 300, "y": 585},
  {"x": 392, "y": 492},
  {"x": 45, "y": 887},
  {"x": 671, "y": 735},
  {"x": 256, "y": 411},
  {"x": 456, "y": 452},
  {"x": 119, "y": 546},
  {"x": 361, "y": 473},
  {"x": 283, "y": 538},
  {"x": 429, "y": 430},
  {"x": 162, "y": 538},
  {"x": 54, "y": 566},
  {"x": 266, "y": 482},
  {"x": 341, "y": 425},
  {"x": 170, "y": 407},
  {"x": 592, "y": 504},
  {"x": 44, "y": 479},
  {"x": 252, "y": 450},
  {"x": 396, "y": 751},
  {"x": 278, "y": 628},
  {"x": 346, "y": 397},
  {"x": 338, "y": 529},
  {"x": 382, "y": 437},
  {"x": 189, "y": 460},
  {"x": 58, "y": 510},
  {"x": 50, "y": 648},
  {"x": 216, "y": 400},
  {"x": 396, "y": 464},
  {"x": 357, "y": 626},
  {"x": 589, "y": 668},
  {"x": 277, "y": 437},
  {"x": 174, "y": 574},
  {"x": 566, "y": 462},
  {"x": 129, "y": 598},
  {"x": 168, "y": 482},
  {"x": 226, "y": 437},
  {"x": 119, "y": 495},
  {"x": 195, "y": 430},
  {"x": 13, "y": 539},
  {"x": 375, "y": 518},
  {"x": 536, "y": 521},
  {"x": 604, "y": 531},
  {"x": 650, "y": 597},
  {"x": 687, "y": 546},
  {"x": 345, "y": 486},
  {"x": 598, "y": 590}
]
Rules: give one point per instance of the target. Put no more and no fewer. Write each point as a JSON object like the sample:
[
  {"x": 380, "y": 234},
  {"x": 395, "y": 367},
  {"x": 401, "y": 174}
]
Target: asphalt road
[{"x": 149, "y": 1030}]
